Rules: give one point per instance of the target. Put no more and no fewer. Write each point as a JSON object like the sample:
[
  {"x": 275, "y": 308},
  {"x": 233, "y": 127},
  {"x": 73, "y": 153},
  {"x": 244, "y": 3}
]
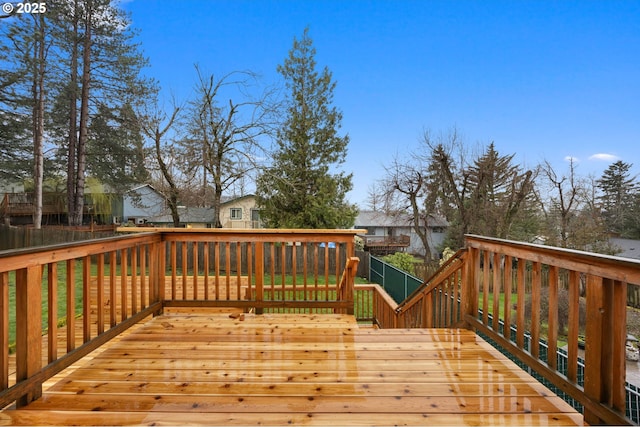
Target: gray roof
[
  {"x": 400, "y": 219},
  {"x": 187, "y": 215},
  {"x": 630, "y": 248}
]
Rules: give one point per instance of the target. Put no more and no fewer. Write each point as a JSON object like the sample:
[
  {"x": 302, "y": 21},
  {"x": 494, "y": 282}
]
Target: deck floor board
[{"x": 211, "y": 369}]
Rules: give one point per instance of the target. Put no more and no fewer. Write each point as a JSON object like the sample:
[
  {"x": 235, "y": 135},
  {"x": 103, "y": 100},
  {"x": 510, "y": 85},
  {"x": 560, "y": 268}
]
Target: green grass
[
  {"x": 514, "y": 300},
  {"x": 62, "y": 297},
  {"x": 62, "y": 292}
]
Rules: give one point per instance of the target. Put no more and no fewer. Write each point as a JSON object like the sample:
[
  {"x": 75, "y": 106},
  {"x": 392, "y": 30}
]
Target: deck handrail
[
  {"x": 477, "y": 287},
  {"x": 121, "y": 280},
  {"x": 546, "y": 269}
]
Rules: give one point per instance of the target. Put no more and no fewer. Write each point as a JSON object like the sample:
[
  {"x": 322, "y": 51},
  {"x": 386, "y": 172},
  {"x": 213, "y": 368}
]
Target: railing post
[
  {"x": 157, "y": 274},
  {"x": 470, "y": 285},
  {"x": 28, "y": 329},
  {"x": 605, "y": 345},
  {"x": 352, "y": 269}
]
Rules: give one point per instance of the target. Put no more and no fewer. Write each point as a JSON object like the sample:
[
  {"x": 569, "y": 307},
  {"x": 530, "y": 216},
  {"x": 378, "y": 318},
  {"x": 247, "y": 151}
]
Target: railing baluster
[
  {"x": 272, "y": 287},
  {"x": 521, "y": 271},
  {"x": 174, "y": 268},
  {"x": 239, "y": 270},
  {"x": 552, "y": 322},
  {"x": 124, "y": 274},
  {"x": 486, "y": 277},
  {"x": 305, "y": 269},
  {"x": 113, "y": 303},
  {"x": 508, "y": 287},
  {"x": 143, "y": 277},
  {"x": 185, "y": 267},
  {"x": 52, "y": 309},
  {"x": 294, "y": 272},
  {"x": 86, "y": 299},
  {"x": 4, "y": 330},
  {"x": 496, "y": 291},
  {"x": 71, "y": 305},
  {"x": 100, "y": 293},
  {"x": 259, "y": 274},
  {"x": 194, "y": 254},
  {"x": 216, "y": 261},
  {"x": 227, "y": 249},
  {"x": 205, "y": 268},
  {"x": 134, "y": 280}
]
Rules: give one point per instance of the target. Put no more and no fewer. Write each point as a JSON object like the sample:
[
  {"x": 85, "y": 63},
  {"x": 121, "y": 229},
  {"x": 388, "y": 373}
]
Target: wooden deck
[{"x": 192, "y": 367}]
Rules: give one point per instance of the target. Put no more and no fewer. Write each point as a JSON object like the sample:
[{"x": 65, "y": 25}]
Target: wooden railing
[
  {"x": 520, "y": 295},
  {"x": 117, "y": 282}
]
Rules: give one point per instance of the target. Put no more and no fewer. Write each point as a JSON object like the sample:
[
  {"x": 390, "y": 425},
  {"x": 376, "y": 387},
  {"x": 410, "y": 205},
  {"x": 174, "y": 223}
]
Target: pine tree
[
  {"x": 299, "y": 189},
  {"x": 618, "y": 196},
  {"x": 99, "y": 69}
]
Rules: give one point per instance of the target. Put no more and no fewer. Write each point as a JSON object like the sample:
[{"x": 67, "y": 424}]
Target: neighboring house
[
  {"x": 240, "y": 212},
  {"x": 189, "y": 217},
  {"x": 10, "y": 187},
  {"x": 142, "y": 203},
  {"x": 388, "y": 233}
]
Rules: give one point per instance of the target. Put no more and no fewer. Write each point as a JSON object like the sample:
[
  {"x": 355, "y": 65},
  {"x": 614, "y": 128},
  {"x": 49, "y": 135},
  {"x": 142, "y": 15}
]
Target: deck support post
[
  {"x": 604, "y": 350},
  {"x": 28, "y": 329}
]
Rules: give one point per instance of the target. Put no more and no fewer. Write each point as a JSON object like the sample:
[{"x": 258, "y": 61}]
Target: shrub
[{"x": 401, "y": 260}]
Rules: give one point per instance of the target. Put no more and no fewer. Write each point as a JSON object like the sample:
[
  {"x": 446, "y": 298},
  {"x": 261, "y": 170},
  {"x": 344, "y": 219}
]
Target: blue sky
[{"x": 543, "y": 80}]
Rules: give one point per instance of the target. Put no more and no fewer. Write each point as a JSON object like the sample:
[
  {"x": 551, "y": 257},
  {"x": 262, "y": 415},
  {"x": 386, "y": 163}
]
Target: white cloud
[{"x": 604, "y": 157}]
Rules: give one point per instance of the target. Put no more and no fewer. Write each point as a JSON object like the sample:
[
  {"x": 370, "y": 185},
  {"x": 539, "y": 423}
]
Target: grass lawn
[{"x": 62, "y": 292}]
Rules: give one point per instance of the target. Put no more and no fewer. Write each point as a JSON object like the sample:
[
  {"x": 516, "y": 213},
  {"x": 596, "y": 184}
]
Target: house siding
[
  {"x": 246, "y": 204},
  {"x": 142, "y": 203}
]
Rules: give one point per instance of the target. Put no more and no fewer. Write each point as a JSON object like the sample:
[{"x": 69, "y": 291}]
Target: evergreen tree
[
  {"x": 498, "y": 191},
  {"x": 99, "y": 68},
  {"x": 299, "y": 189},
  {"x": 23, "y": 104},
  {"x": 115, "y": 149},
  {"x": 619, "y": 190}
]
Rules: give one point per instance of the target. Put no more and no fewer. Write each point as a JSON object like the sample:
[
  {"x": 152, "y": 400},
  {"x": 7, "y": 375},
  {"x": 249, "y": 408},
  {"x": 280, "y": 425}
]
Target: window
[{"x": 236, "y": 213}]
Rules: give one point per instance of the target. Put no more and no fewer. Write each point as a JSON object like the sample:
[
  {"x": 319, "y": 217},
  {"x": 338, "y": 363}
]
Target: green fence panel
[{"x": 397, "y": 283}]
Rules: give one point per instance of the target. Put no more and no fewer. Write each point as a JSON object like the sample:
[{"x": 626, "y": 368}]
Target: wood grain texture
[{"x": 205, "y": 368}]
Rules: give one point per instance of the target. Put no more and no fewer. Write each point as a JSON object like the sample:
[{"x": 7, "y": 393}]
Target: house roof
[
  {"x": 399, "y": 219},
  {"x": 629, "y": 248},
  {"x": 232, "y": 200},
  {"x": 187, "y": 215},
  {"x": 138, "y": 187}
]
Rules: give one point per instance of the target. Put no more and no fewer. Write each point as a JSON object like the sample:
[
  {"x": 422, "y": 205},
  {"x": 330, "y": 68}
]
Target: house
[
  {"x": 240, "y": 212},
  {"x": 389, "y": 233},
  {"x": 237, "y": 212},
  {"x": 142, "y": 203},
  {"x": 190, "y": 217},
  {"x": 11, "y": 187}
]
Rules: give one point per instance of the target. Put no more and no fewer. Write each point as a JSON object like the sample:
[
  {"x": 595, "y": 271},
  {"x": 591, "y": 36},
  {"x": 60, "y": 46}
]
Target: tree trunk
[
  {"x": 84, "y": 118},
  {"x": 73, "y": 120},
  {"x": 38, "y": 121}
]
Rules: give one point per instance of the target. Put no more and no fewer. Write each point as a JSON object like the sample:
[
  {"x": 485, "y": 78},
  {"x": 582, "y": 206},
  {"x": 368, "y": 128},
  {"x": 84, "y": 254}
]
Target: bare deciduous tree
[
  {"x": 224, "y": 137},
  {"x": 156, "y": 126}
]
